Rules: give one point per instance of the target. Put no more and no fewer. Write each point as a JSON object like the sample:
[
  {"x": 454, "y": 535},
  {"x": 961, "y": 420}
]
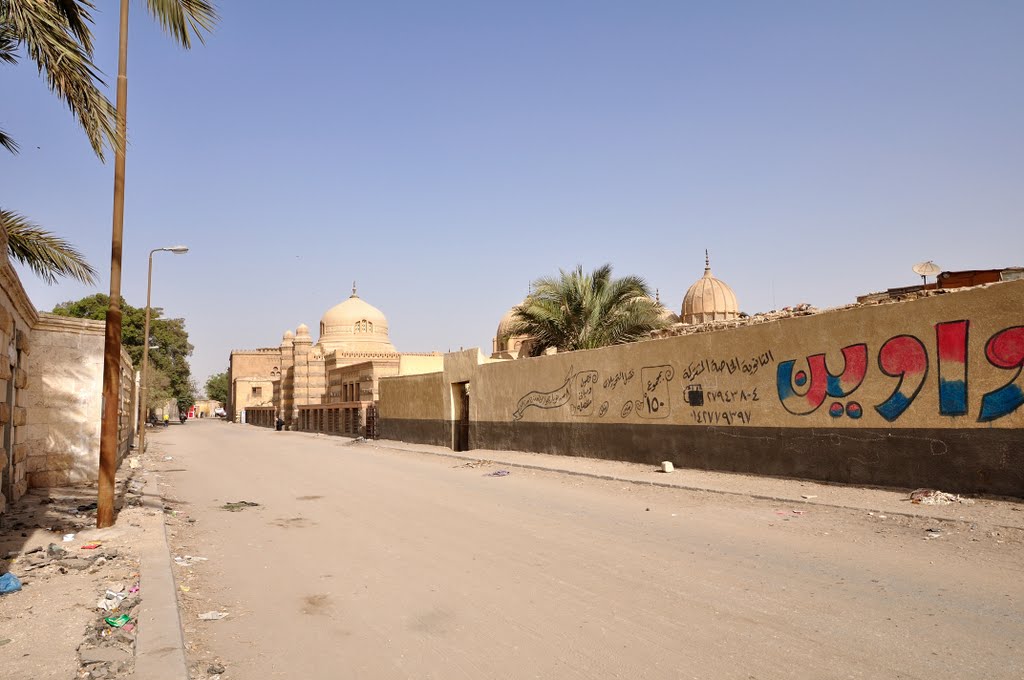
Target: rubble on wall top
[{"x": 803, "y": 309}]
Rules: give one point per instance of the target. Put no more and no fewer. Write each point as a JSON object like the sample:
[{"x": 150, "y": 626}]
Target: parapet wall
[{"x": 927, "y": 392}]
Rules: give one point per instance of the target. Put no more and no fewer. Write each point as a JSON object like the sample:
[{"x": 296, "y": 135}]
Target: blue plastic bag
[{"x": 9, "y": 583}]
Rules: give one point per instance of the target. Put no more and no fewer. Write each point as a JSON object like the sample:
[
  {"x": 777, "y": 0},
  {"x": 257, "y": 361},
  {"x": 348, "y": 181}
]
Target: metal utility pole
[
  {"x": 144, "y": 390},
  {"x": 112, "y": 341}
]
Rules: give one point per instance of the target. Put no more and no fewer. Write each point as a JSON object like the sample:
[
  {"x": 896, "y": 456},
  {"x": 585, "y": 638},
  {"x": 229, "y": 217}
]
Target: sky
[{"x": 445, "y": 154}]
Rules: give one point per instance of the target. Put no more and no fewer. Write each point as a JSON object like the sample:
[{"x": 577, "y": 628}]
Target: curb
[
  {"x": 160, "y": 646},
  {"x": 684, "y": 487}
]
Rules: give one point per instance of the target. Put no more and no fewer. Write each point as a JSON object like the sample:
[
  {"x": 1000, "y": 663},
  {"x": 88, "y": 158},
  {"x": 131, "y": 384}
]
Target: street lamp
[{"x": 177, "y": 250}]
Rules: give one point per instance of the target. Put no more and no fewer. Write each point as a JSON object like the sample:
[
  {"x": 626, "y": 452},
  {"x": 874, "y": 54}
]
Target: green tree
[
  {"x": 217, "y": 387},
  {"x": 578, "y": 310},
  {"x": 57, "y": 36},
  {"x": 169, "y": 347}
]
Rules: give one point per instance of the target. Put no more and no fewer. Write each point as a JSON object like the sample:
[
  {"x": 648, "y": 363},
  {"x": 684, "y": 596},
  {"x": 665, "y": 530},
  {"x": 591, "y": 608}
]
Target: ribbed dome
[
  {"x": 356, "y": 326},
  {"x": 709, "y": 299},
  {"x": 504, "y": 341}
]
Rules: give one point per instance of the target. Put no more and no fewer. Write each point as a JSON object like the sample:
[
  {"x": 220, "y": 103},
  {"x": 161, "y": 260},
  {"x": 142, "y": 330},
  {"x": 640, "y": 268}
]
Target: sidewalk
[
  {"x": 53, "y": 628},
  {"x": 984, "y": 511}
]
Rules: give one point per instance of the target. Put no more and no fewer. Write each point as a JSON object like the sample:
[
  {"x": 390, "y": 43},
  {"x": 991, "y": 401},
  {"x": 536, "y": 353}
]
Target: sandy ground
[
  {"x": 43, "y": 624},
  {"x": 366, "y": 562}
]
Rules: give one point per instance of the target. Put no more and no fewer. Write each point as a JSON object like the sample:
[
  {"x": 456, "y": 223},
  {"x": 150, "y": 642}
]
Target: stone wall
[
  {"x": 17, "y": 316},
  {"x": 919, "y": 393},
  {"x": 62, "y": 431}
]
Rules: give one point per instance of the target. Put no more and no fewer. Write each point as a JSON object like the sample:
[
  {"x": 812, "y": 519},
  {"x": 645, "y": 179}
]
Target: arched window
[{"x": 369, "y": 326}]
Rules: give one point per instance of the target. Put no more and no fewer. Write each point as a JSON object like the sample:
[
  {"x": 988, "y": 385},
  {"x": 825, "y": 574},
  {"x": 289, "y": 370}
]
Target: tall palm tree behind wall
[{"x": 578, "y": 310}]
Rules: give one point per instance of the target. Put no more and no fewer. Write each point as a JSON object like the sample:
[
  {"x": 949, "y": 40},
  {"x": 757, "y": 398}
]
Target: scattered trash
[
  {"x": 68, "y": 538},
  {"x": 168, "y": 457},
  {"x": 188, "y": 560},
  {"x": 117, "y": 621},
  {"x": 799, "y": 512},
  {"x": 212, "y": 616},
  {"x": 4, "y": 641},
  {"x": 87, "y": 507},
  {"x": 184, "y": 589},
  {"x": 471, "y": 464},
  {"x": 934, "y": 497},
  {"x": 666, "y": 466},
  {"x": 128, "y": 627},
  {"x": 133, "y": 463},
  {"x": 216, "y": 669},
  {"x": 9, "y": 583},
  {"x": 498, "y": 473},
  {"x": 807, "y": 497},
  {"x": 932, "y": 533},
  {"x": 91, "y": 546},
  {"x": 237, "y": 506}
]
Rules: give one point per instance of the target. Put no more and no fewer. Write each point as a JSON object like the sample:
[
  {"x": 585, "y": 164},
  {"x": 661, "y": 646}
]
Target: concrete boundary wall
[{"x": 926, "y": 392}]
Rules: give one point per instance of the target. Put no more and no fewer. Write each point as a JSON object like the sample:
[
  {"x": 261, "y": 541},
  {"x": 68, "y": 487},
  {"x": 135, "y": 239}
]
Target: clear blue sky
[{"x": 444, "y": 154}]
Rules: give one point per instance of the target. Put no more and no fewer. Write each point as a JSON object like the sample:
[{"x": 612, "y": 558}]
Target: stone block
[
  {"x": 5, "y": 367},
  {"x": 3, "y": 503},
  {"x": 5, "y": 413},
  {"x": 20, "y": 378},
  {"x": 5, "y": 317},
  {"x": 21, "y": 452},
  {"x": 40, "y": 480},
  {"x": 60, "y": 461},
  {"x": 20, "y": 488},
  {"x": 20, "y": 415},
  {"x": 22, "y": 342},
  {"x": 36, "y": 463}
]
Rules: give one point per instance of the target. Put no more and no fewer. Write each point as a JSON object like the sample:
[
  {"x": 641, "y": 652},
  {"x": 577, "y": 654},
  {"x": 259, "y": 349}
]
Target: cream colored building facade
[{"x": 323, "y": 386}]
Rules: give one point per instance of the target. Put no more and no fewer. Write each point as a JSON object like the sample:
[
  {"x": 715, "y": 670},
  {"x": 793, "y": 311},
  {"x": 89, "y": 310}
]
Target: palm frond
[
  {"x": 8, "y": 44},
  {"x": 184, "y": 19},
  {"x": 76, "y": 14},
  {"x": 48, "y": 256},
  {"x": 48, "y": 30},
  {"x": 7, "y": 142}
]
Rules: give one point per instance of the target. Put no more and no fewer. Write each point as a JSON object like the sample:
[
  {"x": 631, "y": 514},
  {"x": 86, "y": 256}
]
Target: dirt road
[{"x": 362, "y": 563}]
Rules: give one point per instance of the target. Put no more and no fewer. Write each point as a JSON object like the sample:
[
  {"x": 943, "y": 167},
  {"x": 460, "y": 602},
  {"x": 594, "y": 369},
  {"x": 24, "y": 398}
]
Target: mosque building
[{"x": 327, "y": 386}]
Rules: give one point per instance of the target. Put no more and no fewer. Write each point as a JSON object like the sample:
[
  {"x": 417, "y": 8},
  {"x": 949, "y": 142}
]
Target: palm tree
[
  {"x": 56, "y": 35},
  {"x": 584, "y": 311}
]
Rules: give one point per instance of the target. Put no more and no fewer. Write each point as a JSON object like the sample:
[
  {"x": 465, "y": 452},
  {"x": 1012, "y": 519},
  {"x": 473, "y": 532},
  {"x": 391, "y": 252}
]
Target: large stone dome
[
  {"x": 709, "y": 299},
  {"x": 354, "y": 326}
]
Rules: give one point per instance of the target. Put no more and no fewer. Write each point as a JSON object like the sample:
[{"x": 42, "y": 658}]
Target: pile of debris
[
  {"x": 803, "y": 309},
  {"x": 109, "y": 647}
]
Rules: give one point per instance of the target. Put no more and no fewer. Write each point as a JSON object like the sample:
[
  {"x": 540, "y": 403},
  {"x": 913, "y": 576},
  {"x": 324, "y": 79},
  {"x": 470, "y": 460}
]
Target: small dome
[
  {"x": 507, "y": 344},
  {"x": 288, "y": 335},
  {"x": 709, "y": 299},
  {"x": 302, "y": 331}
]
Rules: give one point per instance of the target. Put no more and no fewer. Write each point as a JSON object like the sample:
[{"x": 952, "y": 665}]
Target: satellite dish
[{"x": 926, "y": 269}]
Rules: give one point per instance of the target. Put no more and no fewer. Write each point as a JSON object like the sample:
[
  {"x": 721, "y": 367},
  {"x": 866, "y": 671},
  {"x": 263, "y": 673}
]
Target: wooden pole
[{"x": 112, "y": 339}]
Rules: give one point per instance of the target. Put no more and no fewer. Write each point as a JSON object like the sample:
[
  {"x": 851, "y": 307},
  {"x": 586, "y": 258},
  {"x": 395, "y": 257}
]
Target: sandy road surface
[{"x": 361, "y": 563}]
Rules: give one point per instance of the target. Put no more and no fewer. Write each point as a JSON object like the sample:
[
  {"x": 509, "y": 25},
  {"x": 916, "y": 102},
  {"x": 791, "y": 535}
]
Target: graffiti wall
[{"x": 925, "y": 390}]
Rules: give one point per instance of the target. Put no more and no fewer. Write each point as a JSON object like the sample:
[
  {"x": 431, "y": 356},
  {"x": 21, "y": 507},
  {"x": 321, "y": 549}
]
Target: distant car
[{"x": 219, "y": 412}]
